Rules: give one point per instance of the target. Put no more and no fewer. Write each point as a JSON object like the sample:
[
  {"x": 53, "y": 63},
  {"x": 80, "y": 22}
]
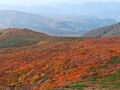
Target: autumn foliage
[{"x": 48, "y": 65}]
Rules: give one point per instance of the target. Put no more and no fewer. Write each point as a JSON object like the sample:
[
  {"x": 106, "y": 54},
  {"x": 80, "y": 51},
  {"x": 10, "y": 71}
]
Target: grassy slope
[
  {"x": 22, "y": 41},
  {"x": 18, "y": 37},
  {"x": 24, "y": 37}
]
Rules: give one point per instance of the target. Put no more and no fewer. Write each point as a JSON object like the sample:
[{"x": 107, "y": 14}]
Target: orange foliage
[{"x": 51, "y": 64}]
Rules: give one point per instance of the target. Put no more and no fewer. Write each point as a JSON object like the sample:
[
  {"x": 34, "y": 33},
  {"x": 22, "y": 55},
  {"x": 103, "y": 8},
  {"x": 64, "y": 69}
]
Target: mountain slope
[
  {"x": 107, "y": 31},
  {"x": 12, "y": 37},
  {"x": 71, "y": 65},
  {"x": 54, "y": 26},
  {"x": 16, "y": 19}
]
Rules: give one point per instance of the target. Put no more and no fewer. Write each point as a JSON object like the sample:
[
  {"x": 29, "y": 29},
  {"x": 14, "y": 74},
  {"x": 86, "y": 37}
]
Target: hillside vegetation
[
  {"x": 72, "y": 65},
  {"x": 13, "y": 37},
  {"x": 107, "y": 31}
]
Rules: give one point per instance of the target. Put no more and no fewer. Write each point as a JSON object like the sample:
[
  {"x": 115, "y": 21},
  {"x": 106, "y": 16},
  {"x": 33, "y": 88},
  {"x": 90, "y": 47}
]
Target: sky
[{"x": 49, "y": 2}]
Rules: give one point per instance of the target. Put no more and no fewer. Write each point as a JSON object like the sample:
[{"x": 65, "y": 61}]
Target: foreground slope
[
  {"x": 71, "y": 65},
  {"x": 107, "y": 31}
]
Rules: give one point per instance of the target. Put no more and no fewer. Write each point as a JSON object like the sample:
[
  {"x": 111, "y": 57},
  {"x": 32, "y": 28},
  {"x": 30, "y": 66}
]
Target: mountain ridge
[
  {"x": 107, "y": 31},
  {"x": 52, "y": 26}
]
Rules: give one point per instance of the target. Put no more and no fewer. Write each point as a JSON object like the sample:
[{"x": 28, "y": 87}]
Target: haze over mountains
[
  {"x": 78, "y": 11},
  {"x": 60, "y": 19},
  {"x": 52, "y": 26}
]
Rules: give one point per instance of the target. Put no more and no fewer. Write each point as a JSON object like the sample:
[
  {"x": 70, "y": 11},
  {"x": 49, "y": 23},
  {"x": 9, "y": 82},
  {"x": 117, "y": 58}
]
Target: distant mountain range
[
  {"x": 107, "y": 31},
  {"x": 77, "y": 11},
  {"x": 52, "y": 26}
]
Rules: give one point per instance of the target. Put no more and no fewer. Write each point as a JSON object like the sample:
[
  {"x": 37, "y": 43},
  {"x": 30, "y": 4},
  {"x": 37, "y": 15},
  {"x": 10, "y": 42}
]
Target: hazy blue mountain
[
  {"x": 86, "y": 10},
  {"x": 60, "y": 26}
]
